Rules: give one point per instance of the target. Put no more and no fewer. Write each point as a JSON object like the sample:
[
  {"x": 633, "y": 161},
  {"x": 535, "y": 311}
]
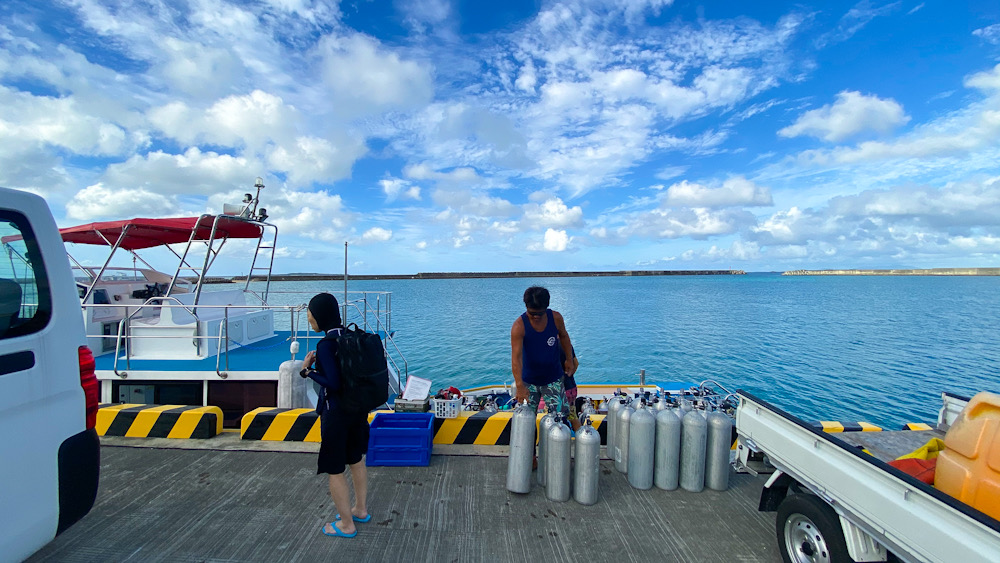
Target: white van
[{"x": 48, "y": 392}]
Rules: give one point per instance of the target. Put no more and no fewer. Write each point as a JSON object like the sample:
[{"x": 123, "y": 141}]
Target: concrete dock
[{"x": 232, "y": 504}]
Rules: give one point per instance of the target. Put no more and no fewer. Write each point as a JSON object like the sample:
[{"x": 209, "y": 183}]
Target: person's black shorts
[{"x": 344, "y": 440}]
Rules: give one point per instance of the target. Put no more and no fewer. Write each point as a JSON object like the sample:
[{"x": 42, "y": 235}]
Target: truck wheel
[{"x": 809, "y": 531}]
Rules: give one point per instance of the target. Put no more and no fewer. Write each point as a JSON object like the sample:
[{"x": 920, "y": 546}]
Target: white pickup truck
[
  {"x": 48, "y": 390},
  {"x": 838, "y": 503}
]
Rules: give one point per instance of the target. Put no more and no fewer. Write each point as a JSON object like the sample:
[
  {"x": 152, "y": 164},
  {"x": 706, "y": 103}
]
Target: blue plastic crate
[{"x": 401, "y": 439}]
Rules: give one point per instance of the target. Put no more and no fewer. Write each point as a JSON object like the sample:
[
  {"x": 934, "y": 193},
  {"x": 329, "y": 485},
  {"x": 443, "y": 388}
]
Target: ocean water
[{"x": 851, "y": 348}]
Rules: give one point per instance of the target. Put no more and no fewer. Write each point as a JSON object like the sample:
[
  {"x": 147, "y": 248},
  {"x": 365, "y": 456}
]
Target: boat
[{"x": 177, "y": 338}]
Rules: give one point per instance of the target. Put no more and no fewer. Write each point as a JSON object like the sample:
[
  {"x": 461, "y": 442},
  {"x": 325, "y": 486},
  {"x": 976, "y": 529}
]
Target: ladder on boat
[{"x": 267, "y": 245}]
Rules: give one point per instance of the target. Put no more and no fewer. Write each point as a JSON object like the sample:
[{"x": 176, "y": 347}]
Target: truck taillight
[{"x": 88, "y": 380}]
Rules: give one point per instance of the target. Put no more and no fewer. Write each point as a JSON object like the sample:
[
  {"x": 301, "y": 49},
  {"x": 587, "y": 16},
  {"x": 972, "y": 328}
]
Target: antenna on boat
[
  {"x": 262, "y": 216},
  {"x": 344, "y": 316}
]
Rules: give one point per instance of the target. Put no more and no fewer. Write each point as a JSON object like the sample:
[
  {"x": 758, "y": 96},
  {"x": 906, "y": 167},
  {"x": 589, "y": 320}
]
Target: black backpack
[{"x": 364, "y": 374}]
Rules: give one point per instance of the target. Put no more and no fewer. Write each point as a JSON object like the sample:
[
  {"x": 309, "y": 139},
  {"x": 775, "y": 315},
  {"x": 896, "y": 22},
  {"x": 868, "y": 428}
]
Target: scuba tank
[
  {"x": 522, "y": 449},
  {"x": 587, "y": 466},
  {"x": 685, "y": 404},
  {"x": 557, "y": 463},
  {"x": 720, "y": 439},
  {"x": 622, "y": 421},
  {"x": 588, "y": 407},
  {"x": 694, "y": 437},
  {"x": 611, "y": 421},
  {"x": 641, "y": 443},
  {"x": 659, "y": 403},
  {"x": 668, "y": 449},
  {"x": 543, "y": 431}
]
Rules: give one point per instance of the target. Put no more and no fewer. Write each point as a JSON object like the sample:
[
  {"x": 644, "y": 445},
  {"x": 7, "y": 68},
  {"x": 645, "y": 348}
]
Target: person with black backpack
[{"x": 344, "y": 430}]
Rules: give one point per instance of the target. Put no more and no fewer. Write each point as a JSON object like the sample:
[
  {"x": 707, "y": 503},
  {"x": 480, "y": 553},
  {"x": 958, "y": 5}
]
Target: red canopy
[{"x": 147, "y": 233}]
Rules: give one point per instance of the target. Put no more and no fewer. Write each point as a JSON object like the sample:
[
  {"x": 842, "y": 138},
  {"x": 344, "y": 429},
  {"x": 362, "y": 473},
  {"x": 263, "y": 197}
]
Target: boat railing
[
  {"x": 198, "y": 313},
  {"x": 371, "y": 310}
]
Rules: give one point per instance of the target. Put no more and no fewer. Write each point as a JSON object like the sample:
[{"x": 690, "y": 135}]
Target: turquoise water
[{"x": 874, "y": 349}]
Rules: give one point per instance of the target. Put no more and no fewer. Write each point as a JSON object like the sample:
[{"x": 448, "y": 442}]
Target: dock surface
[{"x": 158, "y": 504}]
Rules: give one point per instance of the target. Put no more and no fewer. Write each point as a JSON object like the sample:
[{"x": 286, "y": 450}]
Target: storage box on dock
[
  {"x": 412, "y": 405},
  {"x": 401, "y": 439}
]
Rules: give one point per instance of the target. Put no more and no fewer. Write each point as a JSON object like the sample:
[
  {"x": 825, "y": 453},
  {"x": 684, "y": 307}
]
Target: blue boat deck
[{"x": 264, "y": 356}]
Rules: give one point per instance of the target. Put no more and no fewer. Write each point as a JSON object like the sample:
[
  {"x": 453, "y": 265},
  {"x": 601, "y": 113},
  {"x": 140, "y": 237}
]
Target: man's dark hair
[{"x": 536, "y": 297}]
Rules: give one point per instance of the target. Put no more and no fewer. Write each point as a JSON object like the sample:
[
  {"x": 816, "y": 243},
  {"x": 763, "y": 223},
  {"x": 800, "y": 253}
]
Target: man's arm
[
  {"x": 516, "y": 351},
  {"x": 567, "y": 346}
]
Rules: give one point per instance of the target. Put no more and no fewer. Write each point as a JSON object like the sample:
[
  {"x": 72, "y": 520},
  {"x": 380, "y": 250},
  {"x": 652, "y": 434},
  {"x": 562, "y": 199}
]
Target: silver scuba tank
[
  {"x": 522, "y": 449},
  {"x": 720, "y": 439},
  {"x": 557, "y": 462},
  {"x": 685, "y": 404},
  {"x": 588, "y": 407},
  {"x": 611, "y": 423},
  {"x": 641, "y": 446},
  {"x": 543, "y": 430},
  {"x": 659, "y": 403},
  {"x": 622, "y": 421},
  {"x": 668, "y": 449},
  {"x": 694, "y": 437},
  {"x": 587, "y": 464}
]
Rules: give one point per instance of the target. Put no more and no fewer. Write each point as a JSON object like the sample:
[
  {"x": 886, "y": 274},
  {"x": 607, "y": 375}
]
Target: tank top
[{"x": 540, "y": 354}]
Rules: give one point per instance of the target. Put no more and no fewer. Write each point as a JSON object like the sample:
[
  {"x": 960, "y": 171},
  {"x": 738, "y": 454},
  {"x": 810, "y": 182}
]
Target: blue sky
[{"x": 497, "y": 136}]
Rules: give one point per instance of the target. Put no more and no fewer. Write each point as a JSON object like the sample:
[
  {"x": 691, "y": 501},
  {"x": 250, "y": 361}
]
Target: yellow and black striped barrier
[
  {"x": 158, "y": 421},
  {"x": 835, "y": 426},
  {"x": 283, "y": 425},
  {"x": 469, "y": 427}
]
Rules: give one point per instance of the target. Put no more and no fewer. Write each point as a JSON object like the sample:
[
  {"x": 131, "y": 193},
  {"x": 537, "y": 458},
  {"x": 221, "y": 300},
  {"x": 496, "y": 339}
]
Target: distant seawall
[
  {"x": 925, "y": 272},
  {"x": 480, "y": 275}
]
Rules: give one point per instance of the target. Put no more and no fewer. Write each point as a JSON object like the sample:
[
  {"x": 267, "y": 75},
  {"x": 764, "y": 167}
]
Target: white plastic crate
[{"x": 447, "y": 408}]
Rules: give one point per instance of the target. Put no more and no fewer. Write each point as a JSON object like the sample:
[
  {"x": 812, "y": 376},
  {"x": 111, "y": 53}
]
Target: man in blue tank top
[{"x": 536, "y": 340}]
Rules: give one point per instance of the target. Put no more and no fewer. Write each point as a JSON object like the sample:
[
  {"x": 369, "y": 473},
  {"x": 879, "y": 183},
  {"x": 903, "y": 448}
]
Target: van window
[{"x": 25, "y": 301}]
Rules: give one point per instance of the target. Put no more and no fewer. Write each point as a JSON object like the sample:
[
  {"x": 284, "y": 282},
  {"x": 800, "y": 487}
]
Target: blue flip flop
[
  {"x": 356, "y": 519},
  {"x": 337, "y": 532}
]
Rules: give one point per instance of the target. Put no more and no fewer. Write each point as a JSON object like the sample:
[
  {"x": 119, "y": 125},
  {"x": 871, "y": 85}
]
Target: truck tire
[{"x": 809, "y": 531}]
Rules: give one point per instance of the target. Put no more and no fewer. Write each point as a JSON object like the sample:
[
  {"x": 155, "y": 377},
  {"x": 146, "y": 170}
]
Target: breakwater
[
  {"x": 486, "y": 275},
  {"x": 899, "y": 272}
]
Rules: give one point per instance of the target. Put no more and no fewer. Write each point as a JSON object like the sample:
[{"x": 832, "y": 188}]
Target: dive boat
[{"x": 178, "y": 338}]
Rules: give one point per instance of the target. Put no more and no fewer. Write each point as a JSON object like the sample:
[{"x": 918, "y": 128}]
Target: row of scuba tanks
[{"x": 667, "y": 442}]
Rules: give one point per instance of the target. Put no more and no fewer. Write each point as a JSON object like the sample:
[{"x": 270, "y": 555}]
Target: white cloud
[
  {"x": 250, "y": 120},
  {"x": 851, "y": 114},
  {"x": 469, "y": 203},
  {"x": 312, "y": 159},
  {"x": 58, "y": 122},
  {"x": 192, "y": 172},
  {"x": 363, "y": 78},
  {"x": 317, "y": 215},
  {"x": 856, "y": 18},
  {"x": 990, "y": 33},
  {"x": 553, "y": 241},
  {"x": 187, "y": 64},
  {"x": 903, "y": 219},
  {"x": 734, "y": 192},
  {"x": 396, "y": 188},
  {"x": 100, "y": 202},
  {"x": 527, "y": 79},
  {"x": 987, "y": 81},
  {"x": 552, "y": 213},
  {"x": 377, "y": 234}
]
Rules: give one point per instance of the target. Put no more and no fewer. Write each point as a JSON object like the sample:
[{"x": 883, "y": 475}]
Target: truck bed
[
  {"x": 888, "y": 445},
  {"x": 910, "y": 519}
]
